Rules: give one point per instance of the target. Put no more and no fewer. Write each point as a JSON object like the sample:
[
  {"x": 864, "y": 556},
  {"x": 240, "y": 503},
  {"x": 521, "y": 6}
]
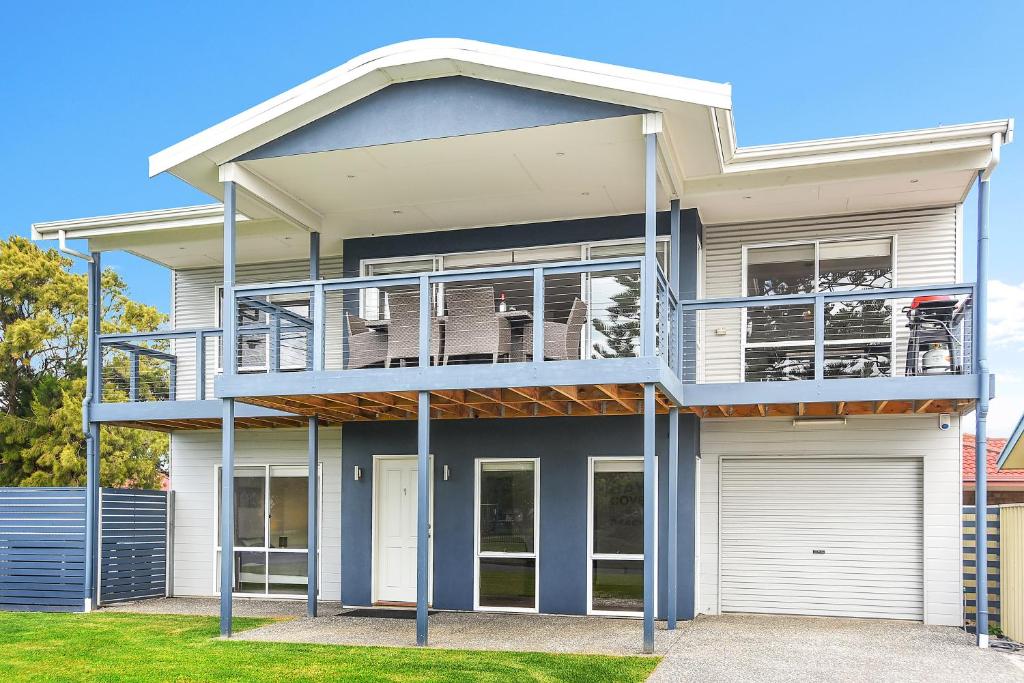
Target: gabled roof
[{"x": 195, "y": 159}]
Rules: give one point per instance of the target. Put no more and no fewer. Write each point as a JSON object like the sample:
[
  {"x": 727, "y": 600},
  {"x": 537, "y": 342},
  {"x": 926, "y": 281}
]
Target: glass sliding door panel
[
  {"x": 289, "y": 507},
  {"x": 250, "y": 510},
  {"x": 287, "y": 572},
  {"x": 508, "y": 582},
  {"x": 507, "y": 507},
  {"x": 618, "y": 585},
  {"x": 250, "y": 572},
  {"x": 618, "y": 507}
]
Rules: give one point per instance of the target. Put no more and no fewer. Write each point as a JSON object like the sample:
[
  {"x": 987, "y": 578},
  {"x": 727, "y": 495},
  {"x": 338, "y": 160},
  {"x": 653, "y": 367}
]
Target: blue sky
[{"x": 88, "y": 92}]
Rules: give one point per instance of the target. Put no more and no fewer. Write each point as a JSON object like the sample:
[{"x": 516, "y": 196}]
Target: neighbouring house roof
[
  {"x": 996, "y": 477},
  {"x": 1012, "y": 457}
]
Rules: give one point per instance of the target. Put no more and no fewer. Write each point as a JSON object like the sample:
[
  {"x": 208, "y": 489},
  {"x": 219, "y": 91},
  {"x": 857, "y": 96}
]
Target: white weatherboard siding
[
  {"x": 194, "y": 302},
  {"x": 926, "y": 253},
  {"x": 896, "y": 438},
  {"x": 822, "y": 536},
  {"x": 194, "y": 457}
]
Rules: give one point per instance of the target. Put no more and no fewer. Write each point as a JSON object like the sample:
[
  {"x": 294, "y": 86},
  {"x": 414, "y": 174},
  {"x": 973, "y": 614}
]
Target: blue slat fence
[
  {"x": 42, "y": 547},
  {"x": 970, "y": 578},
  {"x": 133, "y": 544}
]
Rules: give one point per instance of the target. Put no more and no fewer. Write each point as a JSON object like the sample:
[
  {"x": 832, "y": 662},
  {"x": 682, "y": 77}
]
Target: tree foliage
[{"x": 43, "y": 342}]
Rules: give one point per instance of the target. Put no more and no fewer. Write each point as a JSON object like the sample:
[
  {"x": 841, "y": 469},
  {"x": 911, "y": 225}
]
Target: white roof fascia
[
  {"x": 138, "y": 221},
  {"x": 857, "y": 148},
  {"x": 451, "y": 57}
]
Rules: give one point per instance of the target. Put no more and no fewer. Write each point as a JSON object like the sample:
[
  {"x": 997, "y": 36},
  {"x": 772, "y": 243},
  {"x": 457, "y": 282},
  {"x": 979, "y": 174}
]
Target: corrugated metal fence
[
  {"x": 1011, "y": 550},
  {"x": 970, "y": 578},
  {"x": 133, "y": 544},
  {"x": 42, "y": 547}
]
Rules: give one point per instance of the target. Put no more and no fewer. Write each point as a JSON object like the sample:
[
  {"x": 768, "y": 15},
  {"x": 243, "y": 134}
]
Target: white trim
[
  {"x": 373, "y": 525},
  {"x": 477, "y": 554},
  {"x": 266, "y": 530},
  {"x": 591, "y": 555},
  {"x": 269, "y": 195}
]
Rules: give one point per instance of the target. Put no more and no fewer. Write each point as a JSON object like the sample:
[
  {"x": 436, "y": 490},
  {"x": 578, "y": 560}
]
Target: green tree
[
  {"x": 43, "y": 342},
  {"x": 617, "y": 330}
]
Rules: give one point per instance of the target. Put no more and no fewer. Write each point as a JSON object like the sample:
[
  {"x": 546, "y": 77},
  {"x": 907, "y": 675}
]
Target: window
[
  {"x": 507, "y": 528},
  {"x": 271, "y": 529},
  {"x": 616, "y": 553},
  {"x": 779, "y": 340}
]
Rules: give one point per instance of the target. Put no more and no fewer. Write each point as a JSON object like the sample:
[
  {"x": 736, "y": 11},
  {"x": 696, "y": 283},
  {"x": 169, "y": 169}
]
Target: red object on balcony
[{"x": 930, "y": 299}]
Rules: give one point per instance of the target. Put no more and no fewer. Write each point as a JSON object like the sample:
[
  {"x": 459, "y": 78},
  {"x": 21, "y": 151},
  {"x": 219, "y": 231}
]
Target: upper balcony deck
[{"x": 545, "y": 339}]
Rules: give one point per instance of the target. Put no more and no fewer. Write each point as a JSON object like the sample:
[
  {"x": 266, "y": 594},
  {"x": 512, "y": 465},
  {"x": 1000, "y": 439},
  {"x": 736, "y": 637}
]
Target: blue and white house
[{"x": 479, "y": 328}]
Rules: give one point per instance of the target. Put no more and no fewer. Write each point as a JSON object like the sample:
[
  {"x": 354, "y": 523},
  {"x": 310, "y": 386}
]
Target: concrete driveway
[{"x": 771, "y": 648}]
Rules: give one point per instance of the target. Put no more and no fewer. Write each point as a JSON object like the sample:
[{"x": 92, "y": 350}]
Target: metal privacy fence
[
  {"x": 970, "y": 540},
  {"x": 43, "y": 554},
  {"x": 133, "y": 544},
  {"x": 42, "y": 549}
]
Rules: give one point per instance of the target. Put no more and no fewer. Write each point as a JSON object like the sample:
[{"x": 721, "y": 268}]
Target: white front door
[{"x": 395, "y": 509}]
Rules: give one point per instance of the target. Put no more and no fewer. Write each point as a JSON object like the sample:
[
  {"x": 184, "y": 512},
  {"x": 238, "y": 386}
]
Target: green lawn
[{"x": 110, "y": 646}]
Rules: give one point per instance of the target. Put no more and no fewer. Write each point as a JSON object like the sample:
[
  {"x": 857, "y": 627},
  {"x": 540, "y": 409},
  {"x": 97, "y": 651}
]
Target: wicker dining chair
[
  {"x": 404, "y": 329},
  {"x": 561, "y": 340},
  {"x": 472, "y": 327},
  {"x": 366, "y": 347}
]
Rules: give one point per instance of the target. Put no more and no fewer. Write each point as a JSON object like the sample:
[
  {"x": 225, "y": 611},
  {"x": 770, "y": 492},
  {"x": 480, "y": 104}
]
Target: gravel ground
[
  {"x": 474, "y": 631},
  {"x": 771, "y": 648}
]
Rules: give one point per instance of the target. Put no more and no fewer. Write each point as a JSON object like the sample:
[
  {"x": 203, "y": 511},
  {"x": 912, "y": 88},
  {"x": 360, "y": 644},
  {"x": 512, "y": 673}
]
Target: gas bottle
[{"x": 936, "y": 360}]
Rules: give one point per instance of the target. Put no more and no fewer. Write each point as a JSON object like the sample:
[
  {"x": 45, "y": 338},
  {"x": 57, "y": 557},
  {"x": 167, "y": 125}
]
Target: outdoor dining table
[{"x": 517, "y": 318}]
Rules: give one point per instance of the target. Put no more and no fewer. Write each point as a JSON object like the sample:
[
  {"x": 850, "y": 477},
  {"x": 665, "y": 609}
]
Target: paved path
[{"x": 770, "y": 648}]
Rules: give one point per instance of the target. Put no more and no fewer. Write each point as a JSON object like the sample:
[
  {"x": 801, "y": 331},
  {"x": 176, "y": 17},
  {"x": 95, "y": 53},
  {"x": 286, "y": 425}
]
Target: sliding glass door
[
  {"x": 616, "y": 562},
  {"x": 507, "y": 519},
  {"x": 271, "y": 529}
]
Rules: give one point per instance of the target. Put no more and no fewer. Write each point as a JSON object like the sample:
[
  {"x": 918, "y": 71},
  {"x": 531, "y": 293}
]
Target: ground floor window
[
  {"x": 507, "y": 527},
  {"x": 271, "y": 509},
  {"x": 616, "y": 536}
]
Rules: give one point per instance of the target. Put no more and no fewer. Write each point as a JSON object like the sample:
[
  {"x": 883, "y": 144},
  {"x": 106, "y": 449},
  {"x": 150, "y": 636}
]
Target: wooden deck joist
[{"x": 833, "y": 409}]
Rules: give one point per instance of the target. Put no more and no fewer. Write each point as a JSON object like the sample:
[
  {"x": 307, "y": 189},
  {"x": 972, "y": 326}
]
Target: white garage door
[{"x": 822, "y": 536}]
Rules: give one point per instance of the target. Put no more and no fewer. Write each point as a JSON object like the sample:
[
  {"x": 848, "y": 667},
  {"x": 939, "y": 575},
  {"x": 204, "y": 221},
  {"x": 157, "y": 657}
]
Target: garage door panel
[{"x": 822, "y": 536}]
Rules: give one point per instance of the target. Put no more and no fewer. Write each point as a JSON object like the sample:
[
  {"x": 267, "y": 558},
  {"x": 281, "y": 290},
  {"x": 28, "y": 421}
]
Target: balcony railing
[
  {"x": 158, "y": 366},
  {"x": 529, "y": 313},
  {"x": 881, "y": 333}
]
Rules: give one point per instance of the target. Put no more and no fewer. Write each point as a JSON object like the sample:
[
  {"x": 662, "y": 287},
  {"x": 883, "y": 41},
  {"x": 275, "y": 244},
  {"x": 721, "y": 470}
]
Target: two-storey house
[{"x": 478, "y": 328}]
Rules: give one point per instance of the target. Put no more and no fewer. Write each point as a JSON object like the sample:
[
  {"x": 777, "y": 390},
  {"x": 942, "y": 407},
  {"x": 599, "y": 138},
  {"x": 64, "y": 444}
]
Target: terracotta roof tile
[{"x": 995, "y": 447}]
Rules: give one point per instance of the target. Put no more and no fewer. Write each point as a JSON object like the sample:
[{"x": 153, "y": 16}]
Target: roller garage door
[{"x": 822, "y": 536}]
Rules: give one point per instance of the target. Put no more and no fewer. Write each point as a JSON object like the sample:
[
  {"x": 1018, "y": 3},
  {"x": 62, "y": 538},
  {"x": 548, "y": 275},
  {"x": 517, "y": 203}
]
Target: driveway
[{"x": 771, "y": 648}]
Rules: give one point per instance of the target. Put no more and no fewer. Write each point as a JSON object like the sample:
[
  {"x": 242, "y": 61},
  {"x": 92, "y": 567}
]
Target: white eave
[{"x": 136, "y": 221}]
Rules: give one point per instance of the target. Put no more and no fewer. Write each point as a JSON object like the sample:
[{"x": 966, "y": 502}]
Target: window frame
[
  {"x": 217, "y": 548},
  {"x": 591, "y": 470},
  {"x": 218, "y": 348},
  {"x": 478, "y": 554},
  {"x": 816, "y": 243}
]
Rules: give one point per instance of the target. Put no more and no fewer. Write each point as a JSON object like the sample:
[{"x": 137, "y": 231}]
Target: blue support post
[
  {"x": 673, "y": 515},
  {"x": 674, "y": 266},
  {"x": 819, "y": 337},
  {"x": 648, "y": 305},
  {"x": 275, "y": 342},
  {"x": 133, "y": 376},
  {"x": 315, "y": 349},
  {"x": 422, "y": 514},
  {"x": 650, "y": 484},
  {"x": 200, "y": 366},
  {"x": 538, "y": 315},
  {"x": 92, "y": 434},
  {"x": 230, "y": 366},
  {"x": 425, "y": 314},
  {"x": 313, "y": 526},
  {"x": 314, "y": 256},
  {"x": 981, "y": 416}
]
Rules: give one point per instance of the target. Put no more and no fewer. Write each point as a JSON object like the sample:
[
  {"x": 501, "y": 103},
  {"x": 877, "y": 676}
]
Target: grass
[{"x": 142, "y": 647}]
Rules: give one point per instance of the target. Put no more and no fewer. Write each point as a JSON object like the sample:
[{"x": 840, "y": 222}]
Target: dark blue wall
[{"x": 563, "y": 446}]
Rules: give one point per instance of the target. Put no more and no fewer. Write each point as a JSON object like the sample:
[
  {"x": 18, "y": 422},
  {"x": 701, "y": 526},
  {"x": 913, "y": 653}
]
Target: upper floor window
[{"x": 779, "y": 340}]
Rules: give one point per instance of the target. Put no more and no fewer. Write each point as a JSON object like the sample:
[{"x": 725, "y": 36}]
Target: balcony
[
  {"x": 543, "y": 339},
  {"x": 886, "y": 350},
  {"x": 547, "y": 339}
]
